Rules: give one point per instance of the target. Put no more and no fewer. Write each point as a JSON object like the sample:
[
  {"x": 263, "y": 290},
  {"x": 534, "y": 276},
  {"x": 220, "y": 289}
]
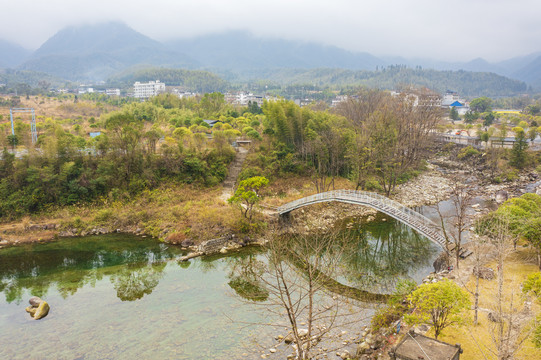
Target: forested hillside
[
  {"x": 193, "y": 80},
  {"x": 466, "y": 83}
]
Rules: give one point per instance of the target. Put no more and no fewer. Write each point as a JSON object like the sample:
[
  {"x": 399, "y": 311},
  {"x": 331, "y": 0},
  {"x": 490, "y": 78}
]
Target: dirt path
[{"x": 234, "y": 172}]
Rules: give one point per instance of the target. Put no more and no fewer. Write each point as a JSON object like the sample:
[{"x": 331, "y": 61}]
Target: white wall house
[
  {"x": 149, "y": 89},
  {"x": 112, "y": 92}
]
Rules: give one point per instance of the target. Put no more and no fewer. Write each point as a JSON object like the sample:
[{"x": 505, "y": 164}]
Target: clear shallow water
[{"x": 123, "y": 297}]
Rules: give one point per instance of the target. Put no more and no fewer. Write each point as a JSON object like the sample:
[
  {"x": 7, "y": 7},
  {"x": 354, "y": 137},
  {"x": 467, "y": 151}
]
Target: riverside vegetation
[
  {"x": 156, "y": 167},
  {"x": 150, "y": 155}
]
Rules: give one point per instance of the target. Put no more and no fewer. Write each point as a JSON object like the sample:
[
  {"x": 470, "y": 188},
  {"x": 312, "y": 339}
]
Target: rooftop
[{"x": 416, "y": 346}]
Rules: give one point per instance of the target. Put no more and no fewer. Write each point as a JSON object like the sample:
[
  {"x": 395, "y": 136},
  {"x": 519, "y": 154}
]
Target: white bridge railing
[{"x": 379, "y": 202}]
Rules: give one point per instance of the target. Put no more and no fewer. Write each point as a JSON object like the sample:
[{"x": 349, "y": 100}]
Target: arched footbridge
[{"x": 378, "y": 202}]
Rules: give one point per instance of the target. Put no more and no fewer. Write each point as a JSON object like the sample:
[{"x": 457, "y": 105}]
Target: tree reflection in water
[
  {"x": 245, "y": 271},
  {"x": 133, "y": 282},
  {"x": 385, "y": 252},
  {"x": 379, "y": 253},
  {"x": 134, "y": 265}
]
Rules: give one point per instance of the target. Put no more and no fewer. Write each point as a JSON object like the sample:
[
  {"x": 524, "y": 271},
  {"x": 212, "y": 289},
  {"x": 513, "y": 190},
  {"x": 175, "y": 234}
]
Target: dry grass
[
  {"x": 476, "y": 340},
  {"x": 196, "y": 213},
  {"x": 60, "y": 109}
]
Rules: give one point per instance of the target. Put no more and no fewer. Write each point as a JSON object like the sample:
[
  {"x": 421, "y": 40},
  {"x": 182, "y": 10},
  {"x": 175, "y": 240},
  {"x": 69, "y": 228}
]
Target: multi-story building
[
  {"x": 149, "y": 89},
  {"x": 243, "y": 99},
  {"x": 112, "y": 92}
]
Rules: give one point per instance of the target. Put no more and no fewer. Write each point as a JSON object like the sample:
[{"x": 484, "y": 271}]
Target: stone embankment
[{"x": 221, "y": 245}]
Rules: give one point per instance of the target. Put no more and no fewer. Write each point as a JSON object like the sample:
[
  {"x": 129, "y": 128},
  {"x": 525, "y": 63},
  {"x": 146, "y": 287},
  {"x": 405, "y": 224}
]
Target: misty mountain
[
  {"x": 98, "y": 52},
  {"x": 239, "y": 50},
  {"x": 530, "y": 73},
  {"x": 12, "y": 55},
  {"x": 94, "y": 52}
]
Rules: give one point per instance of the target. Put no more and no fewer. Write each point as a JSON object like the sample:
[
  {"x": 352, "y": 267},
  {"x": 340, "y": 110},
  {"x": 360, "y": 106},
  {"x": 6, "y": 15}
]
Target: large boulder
[
  {"x": 31, "y": 310},
  {"x": 38, "y": 308},
  {"x": 441, "y": 262},
  {"x": 42, "y": 311}
]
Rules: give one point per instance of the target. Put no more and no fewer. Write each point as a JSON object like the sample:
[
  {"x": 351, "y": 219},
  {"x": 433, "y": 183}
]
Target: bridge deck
[{"x": 381, "y": 203}]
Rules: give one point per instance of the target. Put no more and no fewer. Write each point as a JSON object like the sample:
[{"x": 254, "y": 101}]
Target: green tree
[
  {"x": 518, "y": 152},
  {"x": 532, "y": 285},
  {"x": 211, "y": 103},
  {"x": 13, "y": 141},
  {"x": 488, "y": 119},
  {"x": 471, "y": 116},
  {"x": 248, "y": 194},
  {"x": 524, "y": 217},
  {"x": 533, "y": 109},
  {"x": 484, "y": 137},
  {"x": 439, "y": 304},
  {"x": 532, "y": 134},
  {"x": 482, "y": 104},
  {"x": 453, "y": 114}
]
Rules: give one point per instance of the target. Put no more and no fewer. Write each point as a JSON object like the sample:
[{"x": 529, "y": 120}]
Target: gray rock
[
  {"x": 441, "y": 262},
  {"x": 187, "y": 243},
  {"x": 363, "y": 348},
  {"x": 35, "y": 301},
  {"x": 501, "y": 196},
  {"x": 289, "y": 338}
]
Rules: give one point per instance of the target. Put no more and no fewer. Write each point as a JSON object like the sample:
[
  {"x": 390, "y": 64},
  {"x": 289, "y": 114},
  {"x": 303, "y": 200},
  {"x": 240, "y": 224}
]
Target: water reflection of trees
[
  {"x": 384, "y": 252},
  {"x": 378, "y": 254},
  {"x": 134, "y": 266},
  {"x": 133, "y": 282},
  {"x": 245, "y": 271}
]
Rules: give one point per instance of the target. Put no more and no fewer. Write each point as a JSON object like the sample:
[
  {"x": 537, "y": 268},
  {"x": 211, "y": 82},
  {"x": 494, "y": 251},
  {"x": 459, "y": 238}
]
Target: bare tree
[
  {"x": 298, "y": 282},
  {"x": 392, "y": 133},
  {"x": 511, "y": 327},
  {"x": 461, "y": 198}
]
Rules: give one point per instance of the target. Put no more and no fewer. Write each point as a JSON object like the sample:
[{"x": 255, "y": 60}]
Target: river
[{"x": 124, "y": 297}]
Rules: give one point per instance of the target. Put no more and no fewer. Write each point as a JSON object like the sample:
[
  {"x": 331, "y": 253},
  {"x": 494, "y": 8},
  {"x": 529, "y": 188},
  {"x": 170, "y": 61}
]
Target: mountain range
[{"x": 99, "y": 51}]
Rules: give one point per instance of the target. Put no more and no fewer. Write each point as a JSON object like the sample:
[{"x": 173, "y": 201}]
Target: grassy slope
[{"x": 477, "y": 339}]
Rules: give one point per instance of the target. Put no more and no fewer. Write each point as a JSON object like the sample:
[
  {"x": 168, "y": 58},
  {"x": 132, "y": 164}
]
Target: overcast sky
[{"x": 443, "y": 30}]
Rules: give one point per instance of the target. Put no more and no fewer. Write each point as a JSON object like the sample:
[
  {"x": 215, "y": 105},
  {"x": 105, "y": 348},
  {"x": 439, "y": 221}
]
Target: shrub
[
  {"x": 372, "y": 185},
  {"x": 103, "y": 215},
  {"x": 467, "y": 152}
]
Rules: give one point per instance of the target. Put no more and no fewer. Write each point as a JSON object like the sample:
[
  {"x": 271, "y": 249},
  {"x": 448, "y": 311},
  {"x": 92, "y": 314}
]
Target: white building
[
  {"x": 339, "y": 99},
  {"x": 243, "y": 99},
  {"x": 112, "y": 92},
  {"x": 149, "y": 89}
]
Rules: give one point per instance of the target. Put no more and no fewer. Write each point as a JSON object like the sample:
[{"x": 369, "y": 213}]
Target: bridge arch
[{"x": 394, "y": 209}]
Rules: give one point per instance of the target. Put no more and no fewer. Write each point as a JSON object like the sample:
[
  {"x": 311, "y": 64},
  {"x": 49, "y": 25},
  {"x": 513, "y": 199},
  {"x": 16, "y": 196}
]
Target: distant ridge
[
  {"x": 100, "y": 51},
  {"x": 236, "y": 50},
  {"x": 12, "y": 55},
  {"x": 94, "y": 52}
]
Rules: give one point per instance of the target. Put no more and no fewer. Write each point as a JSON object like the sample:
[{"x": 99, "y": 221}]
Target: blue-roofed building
[{"x": 94, "y": 134}]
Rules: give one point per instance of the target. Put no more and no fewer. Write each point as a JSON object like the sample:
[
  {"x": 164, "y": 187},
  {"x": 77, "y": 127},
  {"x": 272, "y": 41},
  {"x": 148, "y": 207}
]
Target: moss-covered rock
[{"x": 42, "y": 311}]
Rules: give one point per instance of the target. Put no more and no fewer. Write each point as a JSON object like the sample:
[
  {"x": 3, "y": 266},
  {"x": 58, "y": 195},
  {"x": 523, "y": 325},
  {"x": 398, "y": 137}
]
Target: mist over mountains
[{"x": 97, "y": 52}]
